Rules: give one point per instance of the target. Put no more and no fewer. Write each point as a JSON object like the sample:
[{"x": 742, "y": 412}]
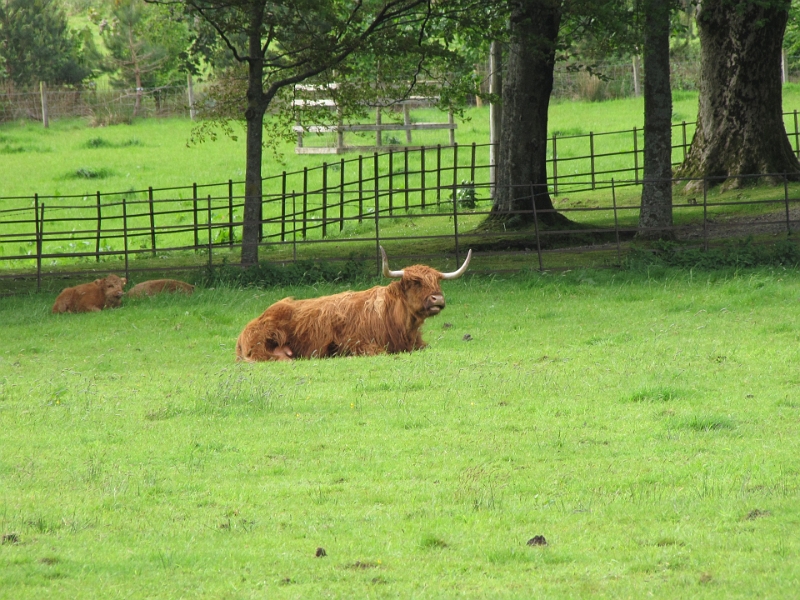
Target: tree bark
[
  {"x": 254, "y": 117},
  {"x": 740, "y": 128},
  {"x": 495, "y": 110},
  {"x": 655, "y": 217},
  {"x": 527, "y": 84}
]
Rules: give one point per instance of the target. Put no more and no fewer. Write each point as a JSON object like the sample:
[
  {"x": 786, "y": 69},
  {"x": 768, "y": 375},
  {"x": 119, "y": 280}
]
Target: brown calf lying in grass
[
  {"x": 91, "y": 297},
  {"x": 158, "y": 286}
]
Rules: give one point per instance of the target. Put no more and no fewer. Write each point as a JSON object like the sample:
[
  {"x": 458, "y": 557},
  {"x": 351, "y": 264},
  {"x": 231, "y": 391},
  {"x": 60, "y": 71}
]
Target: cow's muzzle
[{"x": 435, "y": 304}]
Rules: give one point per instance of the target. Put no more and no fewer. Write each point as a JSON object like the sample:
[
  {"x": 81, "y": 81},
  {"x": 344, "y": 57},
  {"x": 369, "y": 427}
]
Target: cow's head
[
  {"x": 112, "y": 288},
  {"x": 420, "y": 285}
]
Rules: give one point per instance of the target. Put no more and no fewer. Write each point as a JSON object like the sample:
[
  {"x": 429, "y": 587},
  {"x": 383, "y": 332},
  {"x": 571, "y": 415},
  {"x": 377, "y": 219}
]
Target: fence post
[
  {"x": 283, "y": 206},
  {"x": 125, "y": 235},
  {"x": 422, "y": 176},
  {"x": 210, "y": 261},
  {"x": 360, "y": 188},
  {"x": 194, "y": 215},
  {"x": 536, "y": 229},
  {"x": 38, "y": 228},
  {"x": 294, "y": 226},
  {"x": 796, "y": 134},
  {"x": 391, "y": 182},
  {"x": 405, "y": 170},
  {"x": 190, "y": 94},
  {"x": 683, "y": 128},
  {"x": 324, "y": 199},
  {"x": 616, "y": 221},
  {"x": 152, "y": 220},
  {"x": 555, "y": 167},
  {"x": 230, "y": 212},
  {"x": 377, "y": 210},
  {"x": 438, "y": 174},
  {"x": 99, "y": 227},
  {"x": 635, "y": 157},
  {"x": 378, "y": 140},
  {"x": 339, "y": 129},
  {"x": 786, "y": 199},
  {"x": 341, "y": 195},
  {"x": 591, "y": 155},
  {"x": 472, "y": 164},
  {"x": 455, "y": 200},
  {"x": 45, "y": 114},
  {"x": 451, "y": 121},
  {"x": 305, "y": 200}
]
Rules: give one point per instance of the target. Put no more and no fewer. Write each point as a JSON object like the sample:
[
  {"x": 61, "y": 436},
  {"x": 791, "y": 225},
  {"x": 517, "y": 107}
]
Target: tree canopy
[
  {"x": 362, "y": 53},
  {"x": 36, "y": 44}
]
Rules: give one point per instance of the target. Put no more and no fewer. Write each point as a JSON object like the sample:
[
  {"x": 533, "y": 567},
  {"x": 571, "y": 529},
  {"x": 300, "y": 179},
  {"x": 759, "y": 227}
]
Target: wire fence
[
  {"x": 101, "y": 107},
  {"x": 107, "y": 106}
]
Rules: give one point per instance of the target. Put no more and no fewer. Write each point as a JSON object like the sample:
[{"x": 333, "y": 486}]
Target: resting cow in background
[
  {"x": 158, "y": 286},
  {"x": 381, "y": 319},
  {"x": 91, "y": 297}
]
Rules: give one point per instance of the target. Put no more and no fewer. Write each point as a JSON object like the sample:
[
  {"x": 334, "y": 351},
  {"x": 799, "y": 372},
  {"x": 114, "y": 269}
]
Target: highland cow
[
  {"x": 383, "y": 319},
  {"x": 91, "y": 297},
  {"x": 158, "y": 286}
]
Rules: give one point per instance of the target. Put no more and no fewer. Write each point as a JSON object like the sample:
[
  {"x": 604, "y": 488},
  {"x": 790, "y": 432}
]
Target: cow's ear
[
  {"x": 124, "y": 281},
  {"x": 99, "y": 281}
]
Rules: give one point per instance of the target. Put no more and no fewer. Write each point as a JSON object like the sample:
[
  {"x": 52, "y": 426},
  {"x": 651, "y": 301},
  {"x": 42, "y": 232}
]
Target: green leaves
[{"x": 36, "y": 44}]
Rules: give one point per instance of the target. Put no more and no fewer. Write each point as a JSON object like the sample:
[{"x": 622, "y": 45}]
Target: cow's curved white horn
[
  {"x": 460, "y": 272},
  {"x": 386, "y": 271}
]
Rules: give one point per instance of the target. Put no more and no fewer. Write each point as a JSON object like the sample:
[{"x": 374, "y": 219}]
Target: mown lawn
[{"x": 646, "y": 425}]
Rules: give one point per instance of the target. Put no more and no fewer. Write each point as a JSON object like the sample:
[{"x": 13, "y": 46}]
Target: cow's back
[
  {"x": 86, "y": 297},
  {"x": 363, "y": 322},
  {"x": 158, "y": 286}
]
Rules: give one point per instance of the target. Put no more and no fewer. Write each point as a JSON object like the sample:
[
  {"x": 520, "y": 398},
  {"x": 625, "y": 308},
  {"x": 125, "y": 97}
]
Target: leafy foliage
[
  {"x": 147, "y": 44},
  {"x": 36, "y": 44}
]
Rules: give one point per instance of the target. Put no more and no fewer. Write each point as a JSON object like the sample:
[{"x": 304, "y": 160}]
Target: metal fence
[{"x": 427, "y": 200}]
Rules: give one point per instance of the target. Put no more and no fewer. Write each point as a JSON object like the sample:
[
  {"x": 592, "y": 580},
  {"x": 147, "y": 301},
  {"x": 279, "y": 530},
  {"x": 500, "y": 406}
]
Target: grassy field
[
  {"x": 70, "y": 158},
  {"x": 644, "y": 424}
]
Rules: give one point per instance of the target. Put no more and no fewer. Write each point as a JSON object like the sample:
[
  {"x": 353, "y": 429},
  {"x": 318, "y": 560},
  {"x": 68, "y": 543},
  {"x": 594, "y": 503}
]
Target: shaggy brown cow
[
  {"x": 381, "y": 319},
  {"x": 91, "y": 297},
  {"x": 157, "y": 286}
]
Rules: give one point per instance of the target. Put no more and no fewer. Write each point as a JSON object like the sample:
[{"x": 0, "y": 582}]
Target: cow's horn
[
  {"x": 387, "y": 272},
  {"x": 460, "y": 272}
]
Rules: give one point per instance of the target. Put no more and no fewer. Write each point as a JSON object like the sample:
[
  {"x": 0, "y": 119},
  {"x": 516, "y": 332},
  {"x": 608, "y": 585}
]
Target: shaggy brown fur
[
  {"x": 158, "y": 286},
  {"x": 91, "y": 297},
  {"x": 381, "y": 319}
]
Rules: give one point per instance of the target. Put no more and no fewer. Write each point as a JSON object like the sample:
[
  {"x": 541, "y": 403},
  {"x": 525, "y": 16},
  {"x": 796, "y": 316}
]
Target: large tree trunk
[
  {"x": 527, "y": 83},
  {"x": 254, "y": 116},
  {"x": 740, "y": 128},
  {"x": 655, "y": 217}
]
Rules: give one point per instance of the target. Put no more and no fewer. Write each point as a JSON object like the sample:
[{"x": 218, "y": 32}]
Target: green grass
[
  {"x": 154, "y": 152},
  {"x": 644, "y": 424}
]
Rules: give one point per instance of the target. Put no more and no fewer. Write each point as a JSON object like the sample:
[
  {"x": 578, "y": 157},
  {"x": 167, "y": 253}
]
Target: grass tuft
[
  {"x": 433, "y": 543},
  {"x": 655, "y": 394},
  {"x": 705, "y": 423},
  {"x": 90, "y": 173}
]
